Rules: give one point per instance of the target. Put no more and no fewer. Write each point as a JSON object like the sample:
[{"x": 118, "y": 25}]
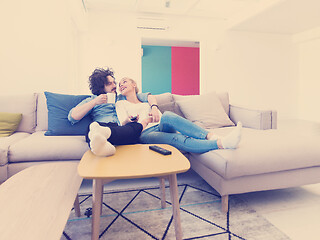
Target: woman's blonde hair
[{"x": 133, "y": 81}]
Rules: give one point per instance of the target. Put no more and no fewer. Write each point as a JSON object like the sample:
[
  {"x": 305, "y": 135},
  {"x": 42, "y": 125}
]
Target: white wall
[
  {"x": 40, "y": 51},
  {"x": 114, "y": 41},
  {"x": 308, "y": 44},
  {"x": 257, "y": 70},
  {"x": 37, "y": 47},
  {"x": 111, "y": 41}
]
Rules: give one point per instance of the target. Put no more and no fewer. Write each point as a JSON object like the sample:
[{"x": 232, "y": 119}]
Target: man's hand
[
  {"x": 101, "y": 99},
  {"x": 154, "y": 114}
]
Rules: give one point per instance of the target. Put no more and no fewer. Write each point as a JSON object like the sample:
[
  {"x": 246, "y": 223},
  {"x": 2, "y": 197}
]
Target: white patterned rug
[{"x": 136, "y": 214}]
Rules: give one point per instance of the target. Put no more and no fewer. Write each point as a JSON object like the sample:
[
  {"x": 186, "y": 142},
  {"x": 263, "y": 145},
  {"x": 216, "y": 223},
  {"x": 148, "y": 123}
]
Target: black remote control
[
  {"x": 134, "y": 118},
  {"x": 160, "y": 150}
]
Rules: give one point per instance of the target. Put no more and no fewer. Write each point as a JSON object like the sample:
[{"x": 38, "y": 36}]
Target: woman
[{"x": 172, "y": 129}]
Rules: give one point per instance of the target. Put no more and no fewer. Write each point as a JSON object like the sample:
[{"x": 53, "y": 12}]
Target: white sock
[
  {"x": 100, "y": 146},
  {"x": 96, "y": 128},
  {"x": 232, "y": 140}
]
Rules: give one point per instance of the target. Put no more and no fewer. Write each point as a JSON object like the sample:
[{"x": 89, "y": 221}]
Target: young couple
[{"x": 114, "y": 124}]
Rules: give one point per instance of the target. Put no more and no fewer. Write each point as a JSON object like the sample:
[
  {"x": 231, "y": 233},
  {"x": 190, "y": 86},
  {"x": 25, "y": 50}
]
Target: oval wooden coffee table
[{"x": 133, "y": 161}]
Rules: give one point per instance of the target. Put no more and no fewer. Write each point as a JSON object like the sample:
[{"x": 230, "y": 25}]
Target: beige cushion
[
  {"x": 205, "y": 110},
  {"x": 25, "y": 104},
  {"x": 166, "y": 102},
  {"x": 38, "y": 147},
  {"x": 262, "y": 151},
  {"x": 223, "y": 96},
  {"x": 164, "y": 98},
  {"x": 9, "y": 123},
  {"x": 42, "y": 113}
]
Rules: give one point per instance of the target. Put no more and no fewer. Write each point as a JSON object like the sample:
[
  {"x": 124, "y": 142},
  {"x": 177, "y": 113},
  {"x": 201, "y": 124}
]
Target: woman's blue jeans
[{"x": 180, "y": 133}]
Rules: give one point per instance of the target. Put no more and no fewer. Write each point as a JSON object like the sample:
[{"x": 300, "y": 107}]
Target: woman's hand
[
  {"x": 154, "y": 114},
  {"x": 145, "y": 122},
  {"x": 131, "y": 119},
  {"x": 134, "y": 118}
]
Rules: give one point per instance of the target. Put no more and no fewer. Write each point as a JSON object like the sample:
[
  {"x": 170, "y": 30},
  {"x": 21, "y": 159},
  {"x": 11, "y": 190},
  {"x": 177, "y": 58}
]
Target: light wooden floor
[{"x": 295, "y": 211}]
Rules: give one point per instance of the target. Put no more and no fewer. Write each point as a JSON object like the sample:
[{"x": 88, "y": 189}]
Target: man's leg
[
  {"x": 97, "y": 136},
  {"x": 102, "y": 136},
  {"x": 124, "y": 135}
]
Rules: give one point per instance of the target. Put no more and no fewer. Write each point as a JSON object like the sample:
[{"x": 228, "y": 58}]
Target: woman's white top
[{"x": 126, "y": 109}]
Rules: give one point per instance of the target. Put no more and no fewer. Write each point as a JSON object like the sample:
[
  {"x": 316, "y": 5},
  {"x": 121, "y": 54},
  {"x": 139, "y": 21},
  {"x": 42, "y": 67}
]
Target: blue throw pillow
[{"x": 59, "y": 106}]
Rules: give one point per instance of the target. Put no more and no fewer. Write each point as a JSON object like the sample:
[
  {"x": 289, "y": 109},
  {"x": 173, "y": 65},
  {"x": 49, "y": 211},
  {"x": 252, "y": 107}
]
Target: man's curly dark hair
[{"x": 98, "y": 79}]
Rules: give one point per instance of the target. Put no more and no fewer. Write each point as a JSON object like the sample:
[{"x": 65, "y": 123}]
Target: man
[{"x": 105, "y": 131}]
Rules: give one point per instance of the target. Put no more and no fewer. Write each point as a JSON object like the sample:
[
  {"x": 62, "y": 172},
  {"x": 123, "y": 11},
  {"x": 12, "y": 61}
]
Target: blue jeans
[{"x": 180, "y": 133}]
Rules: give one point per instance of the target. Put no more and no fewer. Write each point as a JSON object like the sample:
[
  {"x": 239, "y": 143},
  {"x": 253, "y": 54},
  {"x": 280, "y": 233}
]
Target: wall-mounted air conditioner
[{"x": 152, "y": 24}]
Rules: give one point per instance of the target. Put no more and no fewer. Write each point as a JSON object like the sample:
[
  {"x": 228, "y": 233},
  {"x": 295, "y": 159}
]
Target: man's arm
[{"x": 78, "y": 112}]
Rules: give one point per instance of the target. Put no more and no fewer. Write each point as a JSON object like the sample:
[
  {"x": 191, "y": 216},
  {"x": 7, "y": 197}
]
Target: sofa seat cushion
[
  {"x": 38, "y": 147},
  {"x": 262, "y": 151},
  {"x": 5, "y": 142}
]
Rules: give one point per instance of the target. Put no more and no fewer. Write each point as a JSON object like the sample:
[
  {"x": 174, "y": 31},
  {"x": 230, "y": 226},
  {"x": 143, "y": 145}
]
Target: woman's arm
[
  {"x": 122, "y": 112},
  {"x": 154, "y": 108},
  {"x": 124, "y": 117}
]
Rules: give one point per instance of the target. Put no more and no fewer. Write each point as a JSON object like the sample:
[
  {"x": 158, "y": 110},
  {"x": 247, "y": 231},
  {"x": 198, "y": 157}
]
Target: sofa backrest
[
  {"x": 168, "y": 102},
  {"x": 25, "y": 104},
  {"x": 42, "y": 113}
]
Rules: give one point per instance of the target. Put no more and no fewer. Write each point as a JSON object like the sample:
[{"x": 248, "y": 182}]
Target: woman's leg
[
  {"x": 171, "y": 122},
  {"x": 153, "y": 135}
]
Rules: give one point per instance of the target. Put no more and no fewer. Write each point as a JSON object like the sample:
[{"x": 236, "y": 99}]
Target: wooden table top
[
  {"x": 36, "y": 202},
  {"x": 133, "y": 161}
]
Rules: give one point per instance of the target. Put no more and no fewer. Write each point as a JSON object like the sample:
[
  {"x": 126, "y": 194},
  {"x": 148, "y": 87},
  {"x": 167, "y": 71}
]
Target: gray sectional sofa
[
  {"x": 28, "y": 145},
  {"x": 265, "y": 159}
]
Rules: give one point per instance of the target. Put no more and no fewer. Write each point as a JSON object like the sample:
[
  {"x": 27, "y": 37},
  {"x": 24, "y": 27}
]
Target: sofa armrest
[{"x": 257, "y": 119}]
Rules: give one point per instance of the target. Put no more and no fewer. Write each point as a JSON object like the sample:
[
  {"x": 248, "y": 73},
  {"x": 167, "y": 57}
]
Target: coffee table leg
[
  {"x": 175, "y": 205},
  {"x": 162, "y": 192},
  {"x": 96, "y": 208},
  {"x": 77, "y": 206}
]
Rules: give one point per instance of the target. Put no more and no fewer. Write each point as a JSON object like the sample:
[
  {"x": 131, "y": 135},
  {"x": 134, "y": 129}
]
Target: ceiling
[
  {"x": 285, "y": 17},
  {"x": 271, "y": 16},
  {"x": 213, "y": 9}
]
